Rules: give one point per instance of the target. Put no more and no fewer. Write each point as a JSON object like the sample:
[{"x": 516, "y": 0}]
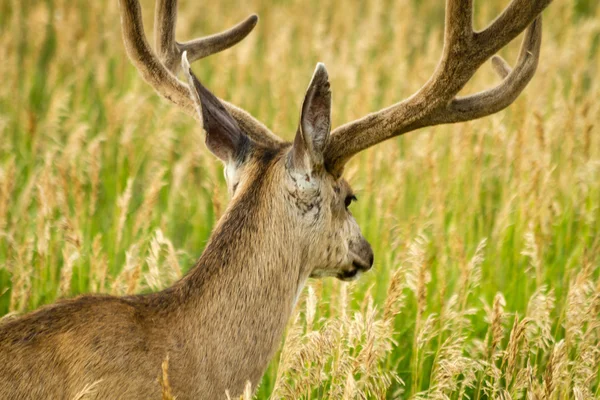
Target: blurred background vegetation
[{"x": 486, "y": 234}]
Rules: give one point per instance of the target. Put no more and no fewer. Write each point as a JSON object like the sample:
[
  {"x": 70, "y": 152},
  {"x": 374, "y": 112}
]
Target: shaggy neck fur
[{"x": 236, "y": 301}]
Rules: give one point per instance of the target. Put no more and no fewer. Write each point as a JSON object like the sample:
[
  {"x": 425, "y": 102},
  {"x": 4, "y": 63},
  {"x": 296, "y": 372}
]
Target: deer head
[
  {"x": 316, "y": 204},
  {"x": 309, "y": 171}
]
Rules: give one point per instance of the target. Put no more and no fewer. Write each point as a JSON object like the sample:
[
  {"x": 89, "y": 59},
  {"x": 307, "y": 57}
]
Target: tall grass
[{"x": 486, "y": 234}]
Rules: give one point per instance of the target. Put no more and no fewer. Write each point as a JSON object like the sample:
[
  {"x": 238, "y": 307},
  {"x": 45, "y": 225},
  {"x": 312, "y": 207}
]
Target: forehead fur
[{"x": 262, "y": 158}]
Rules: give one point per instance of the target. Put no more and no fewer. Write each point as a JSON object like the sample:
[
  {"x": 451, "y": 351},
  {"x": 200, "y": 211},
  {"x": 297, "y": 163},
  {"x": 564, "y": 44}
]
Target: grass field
[{"x": 486, "y": 234}]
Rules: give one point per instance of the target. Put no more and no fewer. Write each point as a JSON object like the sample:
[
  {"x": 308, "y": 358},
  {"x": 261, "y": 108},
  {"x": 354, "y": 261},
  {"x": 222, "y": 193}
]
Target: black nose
[{"x": 368, "y": 253}]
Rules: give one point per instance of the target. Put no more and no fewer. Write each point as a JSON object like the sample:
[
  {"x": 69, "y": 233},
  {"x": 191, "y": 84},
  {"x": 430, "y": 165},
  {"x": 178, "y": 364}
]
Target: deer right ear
[
  {"x": 224, "y": 138},
  {"x": 315, "y": 123}
]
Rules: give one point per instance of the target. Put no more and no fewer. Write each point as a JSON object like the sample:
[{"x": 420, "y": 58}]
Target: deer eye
[{"x": 349, "y": 199}]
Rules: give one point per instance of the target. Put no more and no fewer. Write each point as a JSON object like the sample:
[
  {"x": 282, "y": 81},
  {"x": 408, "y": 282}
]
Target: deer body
[
  {"x": 288, "y": 220},
  {"x": 220, "y": 325}
]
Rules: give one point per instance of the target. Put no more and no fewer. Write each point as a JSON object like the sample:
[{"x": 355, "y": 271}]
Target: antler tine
[
  {"x": 458, "y": 24},
  {"x": 501, "y": 66},
  {"x": 493, "y": 100},
  {"x": 200, "y": 48},
  {"x": 165, "y": 22},
  {"x": 159, "y": 71},
  {"x": 170, "y": 51},
  {"x": 436, "y": 102},
  {"x": 517, "y": 16}
]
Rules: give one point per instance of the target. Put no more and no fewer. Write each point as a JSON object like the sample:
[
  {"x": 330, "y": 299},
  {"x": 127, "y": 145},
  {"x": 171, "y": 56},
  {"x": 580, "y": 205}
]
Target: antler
[
  {"x": 160, "y": 70},
  {"x": 436, "y": 102}
]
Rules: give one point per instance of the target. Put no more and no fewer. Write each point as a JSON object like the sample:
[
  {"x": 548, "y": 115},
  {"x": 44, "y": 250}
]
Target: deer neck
[
  {"x": 249, "y": 259},
  {"x": 240, "y": 295}
]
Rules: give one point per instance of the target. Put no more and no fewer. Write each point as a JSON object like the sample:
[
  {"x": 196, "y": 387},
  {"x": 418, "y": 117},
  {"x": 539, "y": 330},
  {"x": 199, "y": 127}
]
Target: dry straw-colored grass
[{"x": 486, "y": 234}]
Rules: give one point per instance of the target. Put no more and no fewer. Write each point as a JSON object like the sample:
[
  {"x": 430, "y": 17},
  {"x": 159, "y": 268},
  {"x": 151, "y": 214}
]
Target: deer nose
[
  {"x": 363, "y": 255},
  {"x": 367, "y": 253}
]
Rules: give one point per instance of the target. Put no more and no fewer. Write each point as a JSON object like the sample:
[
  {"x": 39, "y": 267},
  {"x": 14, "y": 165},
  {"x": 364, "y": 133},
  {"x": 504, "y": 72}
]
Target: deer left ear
[
  {"x": 224, "y": 138},
  {"x": 315, "y": 122}
]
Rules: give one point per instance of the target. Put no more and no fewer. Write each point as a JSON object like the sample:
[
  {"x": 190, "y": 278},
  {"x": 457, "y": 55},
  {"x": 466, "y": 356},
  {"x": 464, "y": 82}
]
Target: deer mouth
[
  {"x": 358, "y": 267},
  {"x": 349, "y": 275}
]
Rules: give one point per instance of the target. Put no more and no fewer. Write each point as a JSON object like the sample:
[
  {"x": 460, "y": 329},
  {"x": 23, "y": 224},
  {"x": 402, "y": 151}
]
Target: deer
[{"x": 288, "y": 220}]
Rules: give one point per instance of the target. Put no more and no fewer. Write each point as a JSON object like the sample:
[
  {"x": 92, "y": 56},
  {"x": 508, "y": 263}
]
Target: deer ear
[
  {"x": 315, "y": 122},
  {"x": 224, "y": 138}
]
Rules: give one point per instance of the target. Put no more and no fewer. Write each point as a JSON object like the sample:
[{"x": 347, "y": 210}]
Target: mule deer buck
[{"x": 287, "y": 220}]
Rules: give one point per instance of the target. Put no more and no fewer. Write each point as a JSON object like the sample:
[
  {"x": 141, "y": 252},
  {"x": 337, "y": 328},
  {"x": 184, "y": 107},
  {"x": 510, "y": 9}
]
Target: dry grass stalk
[
  {"x": 88, "y": 391},
  {"x": 556, "y": 369},
  {"x": 417, "y": 279},
  {"x": 496, "y": 327},
  {"x": 7, "y": 183},
  {"x": 539, "y": 311},
  {"x": 70, "y": 256},
  {"x": 164, "y": 380},
  {"x": 159, "y": 277},
  {"x": 513, "y": 350},
  {"x": 123, "y": 204},
  {"x": 98, "y": 265},
  {"x": 144, "y": 213},
  {"x": 127, "y": 282},
  {"x": 394, "y": 300},
  {"x": 94, "y": 165},
  {"x": 533, "y": 253}
]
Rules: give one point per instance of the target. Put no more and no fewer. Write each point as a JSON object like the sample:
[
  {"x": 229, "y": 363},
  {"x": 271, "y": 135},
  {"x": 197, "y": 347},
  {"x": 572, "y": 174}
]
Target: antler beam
[
  {"x": 436, "y": 102},
  {"x": 160, "y": 70}
]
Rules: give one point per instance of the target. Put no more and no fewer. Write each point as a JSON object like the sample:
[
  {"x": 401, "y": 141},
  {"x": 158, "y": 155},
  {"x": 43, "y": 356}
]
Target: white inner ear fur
[
  {"x": 232, "y": 176},
  {"x": 316, "y": 132},
  {"x": 312, "y": 139}
]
